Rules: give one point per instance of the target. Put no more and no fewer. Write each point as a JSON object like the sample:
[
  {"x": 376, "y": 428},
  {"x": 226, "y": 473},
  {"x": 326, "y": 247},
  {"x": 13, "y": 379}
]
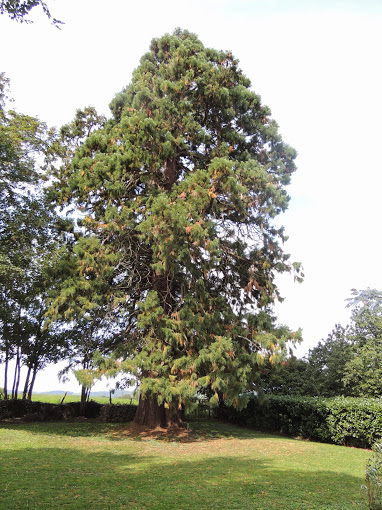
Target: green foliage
[
  {"x": 320, "y": 374},
  {"x": 347, "y": 363},
  {"x": 84, "y": 302},
  {"x": 370, "y": 297},
  {"x": 327, "y": 363},
  {"x": 374, "y": 478},
  {"x": 178, "y": 192},
  {"x": 363, "y": 371},
  {"x": 30, "y": 241},
  {"x": 292, "y": 376},
  {"x": 18, "y": 10},
  {"x": 347, "y": 421}
]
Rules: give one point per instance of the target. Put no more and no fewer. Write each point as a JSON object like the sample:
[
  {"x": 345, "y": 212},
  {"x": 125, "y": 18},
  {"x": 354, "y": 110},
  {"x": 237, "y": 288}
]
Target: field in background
[
  {"x": 212, "y": 466},
  {"x": 56, "y": 399}
]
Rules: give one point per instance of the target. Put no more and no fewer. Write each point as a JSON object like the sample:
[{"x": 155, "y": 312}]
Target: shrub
[
  {"x": 347, "y": 421},
  {"x": 374, "y": 478}
]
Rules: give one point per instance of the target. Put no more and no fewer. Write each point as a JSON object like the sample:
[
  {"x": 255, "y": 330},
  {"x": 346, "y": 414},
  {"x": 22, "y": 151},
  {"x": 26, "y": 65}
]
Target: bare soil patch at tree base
[{"x": 143, "y": 433}]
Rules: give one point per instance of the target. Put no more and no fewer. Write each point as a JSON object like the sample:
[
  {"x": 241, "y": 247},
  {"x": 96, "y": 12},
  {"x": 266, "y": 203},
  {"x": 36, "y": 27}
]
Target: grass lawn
[
  {"x": 216, "y": 466},
  {"x": 56, "y": 399}
]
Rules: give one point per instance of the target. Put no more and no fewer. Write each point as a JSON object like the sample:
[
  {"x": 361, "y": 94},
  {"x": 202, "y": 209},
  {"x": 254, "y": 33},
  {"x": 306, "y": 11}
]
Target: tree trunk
[
  {"x": 35, "y": 370},
  {"x": 16, "y": 376},
  {"x": 85, "y": 392},
  {"x": 152, "y": 415},
  {"x": 149, "y": 412},
  {"x": 25, "y": 392},
  {"x": 6, "y": 372}
]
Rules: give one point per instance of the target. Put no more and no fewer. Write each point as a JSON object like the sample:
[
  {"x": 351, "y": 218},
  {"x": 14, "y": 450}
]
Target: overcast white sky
[{"x": 316, "y": 63}]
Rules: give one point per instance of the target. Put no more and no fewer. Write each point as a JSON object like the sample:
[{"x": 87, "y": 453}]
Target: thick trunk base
[{"x": 152, "y": 415}]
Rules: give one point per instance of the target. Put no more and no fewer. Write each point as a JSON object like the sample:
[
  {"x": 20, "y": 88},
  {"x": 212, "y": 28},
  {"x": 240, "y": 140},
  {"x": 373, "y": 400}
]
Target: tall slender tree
[
  {"x": 29, "y": 236},
  {"x": 180, "y": 189}
]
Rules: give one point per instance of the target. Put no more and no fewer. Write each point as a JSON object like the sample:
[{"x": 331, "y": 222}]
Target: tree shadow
[
  {"x": 76, "y": 479},
  {"x": 194, "y": 431},
  {"x": 216, "y": 429},
  {"x": 85, "y": 428}
]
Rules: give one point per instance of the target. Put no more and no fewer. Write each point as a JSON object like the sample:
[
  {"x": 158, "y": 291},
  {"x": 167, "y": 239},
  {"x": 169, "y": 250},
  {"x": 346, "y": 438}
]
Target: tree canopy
[
  {"x": 178, "y": 192},
  {"x": 327, "y": 362},
  {"x": 29, "y": 235},
  {"x": 347, "y": 363},
  {"x": 363, "y": 371}
]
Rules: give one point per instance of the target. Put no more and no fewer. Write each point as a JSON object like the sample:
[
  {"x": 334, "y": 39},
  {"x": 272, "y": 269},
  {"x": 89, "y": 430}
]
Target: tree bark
[
  {"x": 35, "y": 370},
  {"x": 25, "y": 392},
  {"x": 85, "y": 392},
  {"x": 16, "y": 376},
  {"x": 6, "y": 372},
  {"x": 170, "y": 173},
  {"x": 149, "y": 412},
  {"x": 152, "y": 415}
]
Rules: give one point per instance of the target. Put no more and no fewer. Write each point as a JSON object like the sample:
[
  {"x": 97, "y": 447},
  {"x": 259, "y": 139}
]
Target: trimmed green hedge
[
  {"x": 29, "y": 410},
  {"x": 347, "y": 421}
]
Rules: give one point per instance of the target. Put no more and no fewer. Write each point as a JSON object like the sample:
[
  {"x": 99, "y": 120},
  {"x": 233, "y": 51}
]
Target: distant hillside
[
  {"x": 106, "y": 393},
  {"x": 116, "y": 394},
  {"x": 55, "y": 392}
]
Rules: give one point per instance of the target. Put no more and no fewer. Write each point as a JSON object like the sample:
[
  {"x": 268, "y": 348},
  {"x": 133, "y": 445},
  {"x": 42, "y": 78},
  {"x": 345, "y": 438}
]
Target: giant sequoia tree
[{"x": 180, "y": 189}]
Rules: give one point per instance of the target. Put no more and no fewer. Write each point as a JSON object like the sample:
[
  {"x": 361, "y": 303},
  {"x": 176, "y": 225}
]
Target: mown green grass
[{"x": 104, "y": 466}]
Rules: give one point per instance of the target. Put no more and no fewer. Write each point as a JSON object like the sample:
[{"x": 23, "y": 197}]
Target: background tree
[
  {"x": 293, "y": 376},
  {"x": 29, "y": 236},
  {"x": 180, "y": 189},
  {"x": 327, "y": 362},
  {"x": 41, "y": 343},
  {"x": 321, "y": 373},
  {"x": 348, "y": 362},
  {"x": 90, "y": 336},
  {"x": 21, "y": 138},
  {"x": 372, "y": 298},
  {"x": 363, "y": 371}
]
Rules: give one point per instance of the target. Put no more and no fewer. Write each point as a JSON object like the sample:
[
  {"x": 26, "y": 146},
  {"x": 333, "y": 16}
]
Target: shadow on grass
[
  {"x": 214, "y": 429},
  {"x": 115, "y": 478},
  {"x": 88, "y": 428},
  {"x": 195, "y": 431}
]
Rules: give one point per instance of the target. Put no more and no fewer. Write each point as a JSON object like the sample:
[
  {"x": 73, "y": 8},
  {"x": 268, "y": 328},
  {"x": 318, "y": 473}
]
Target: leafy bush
[
  {"x": 347, "y": 421},
  {"x": 374, "y": 478},
  {"x": 355, "y": 421}
]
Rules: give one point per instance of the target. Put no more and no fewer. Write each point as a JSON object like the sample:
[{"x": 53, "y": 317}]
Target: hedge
[
  {"x": 117, "y": 412},
  {"x": 347, "y": 421},
  {"x": 29, "y": 410}
]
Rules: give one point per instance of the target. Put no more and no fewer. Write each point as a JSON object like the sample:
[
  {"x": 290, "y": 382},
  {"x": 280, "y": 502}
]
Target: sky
[{"x": 315, "y": 63}]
